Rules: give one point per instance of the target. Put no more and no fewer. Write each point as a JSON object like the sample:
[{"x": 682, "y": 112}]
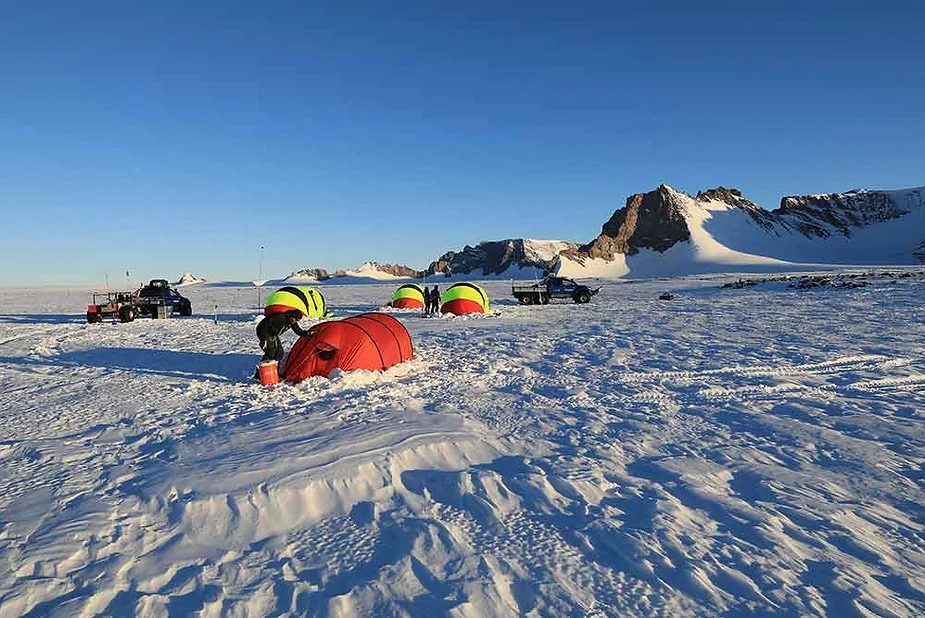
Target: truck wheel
[
  {"x": 94, "y": 317},
  {"x": 126, "y": 313},
  {"x": 544, "y": 298},
  {"x": 583, "y": 297},
  {"x": 527, "y": 299}
]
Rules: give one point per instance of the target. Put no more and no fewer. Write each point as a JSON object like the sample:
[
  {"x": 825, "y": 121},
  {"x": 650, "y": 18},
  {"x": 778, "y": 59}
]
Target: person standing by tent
[
  {"x": 426, "y": 300},
  {"x": 435, "y": 299}
]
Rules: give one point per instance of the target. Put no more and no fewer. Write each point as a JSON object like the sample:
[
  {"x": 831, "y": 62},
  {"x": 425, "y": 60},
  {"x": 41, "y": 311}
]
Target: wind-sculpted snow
[{"x": 727, "y": 452}]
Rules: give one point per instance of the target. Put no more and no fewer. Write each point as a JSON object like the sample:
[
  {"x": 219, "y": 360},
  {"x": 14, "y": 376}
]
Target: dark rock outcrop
[
  {"x": 653, "y": 220},
  {"x": 821, "y": 215},
  {"x": 441, "y": 264},
  {"x": 493, "y": 258},
  {"x": 734, "y": 197}
]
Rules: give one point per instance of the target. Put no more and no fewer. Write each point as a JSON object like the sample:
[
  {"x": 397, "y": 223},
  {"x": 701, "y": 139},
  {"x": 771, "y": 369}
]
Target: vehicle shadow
[
  {"x": 222, "y": 368},
  {"x": 43, "y": 318},
  {"x": 80, "y": 318}
]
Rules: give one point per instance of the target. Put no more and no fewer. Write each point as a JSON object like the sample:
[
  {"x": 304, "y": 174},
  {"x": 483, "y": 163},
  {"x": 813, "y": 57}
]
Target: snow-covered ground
[{"x": 730, "y": 451}]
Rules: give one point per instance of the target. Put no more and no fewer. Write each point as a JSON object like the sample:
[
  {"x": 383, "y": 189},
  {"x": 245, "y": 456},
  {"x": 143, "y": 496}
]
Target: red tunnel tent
[{"x": 373, "y": 341}]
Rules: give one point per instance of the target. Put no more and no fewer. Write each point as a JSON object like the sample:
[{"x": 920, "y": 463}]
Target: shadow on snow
[
  {"x": 171, "y": 363},
  {"x": 43, "y": 318}
]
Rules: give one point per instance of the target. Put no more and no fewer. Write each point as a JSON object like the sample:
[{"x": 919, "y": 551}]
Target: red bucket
[{"x": 268, "y": 372}]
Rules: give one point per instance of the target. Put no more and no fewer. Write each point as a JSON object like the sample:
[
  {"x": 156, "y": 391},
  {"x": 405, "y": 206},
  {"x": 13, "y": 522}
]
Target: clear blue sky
[{"x": 162, "y": 137}]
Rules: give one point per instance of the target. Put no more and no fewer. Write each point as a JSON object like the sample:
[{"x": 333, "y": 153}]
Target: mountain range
[{"x": 667, "y": 232}]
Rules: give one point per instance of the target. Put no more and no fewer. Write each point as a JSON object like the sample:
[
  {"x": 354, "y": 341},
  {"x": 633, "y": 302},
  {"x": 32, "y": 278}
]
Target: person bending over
[{"x": 271, "y": 327}]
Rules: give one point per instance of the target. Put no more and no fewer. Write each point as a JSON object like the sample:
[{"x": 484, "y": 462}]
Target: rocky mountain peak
[
  {"x": 653, "y": 220},
  {"x": 495, "y": 257},
  {"x": 732, "y": 197},
  {"x": 715, "y": 218}
]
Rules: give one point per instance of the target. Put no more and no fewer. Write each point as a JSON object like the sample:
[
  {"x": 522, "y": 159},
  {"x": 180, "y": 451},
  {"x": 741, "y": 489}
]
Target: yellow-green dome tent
[
  {"x": 306, "y": 299},
  {"x": 408, "y": 296},
  {"x": 463, "y": 298}
]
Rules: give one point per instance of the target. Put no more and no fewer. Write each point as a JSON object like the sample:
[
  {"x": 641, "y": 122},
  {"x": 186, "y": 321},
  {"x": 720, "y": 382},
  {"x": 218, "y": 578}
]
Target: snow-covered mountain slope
[
  {"x": 306, "y": 275},
  {"x": 189, "y": 279},
  {"x": 369, "y": 272},
  {"x": 731, "y": 452},
  {"x": 375, "y": 271},
  {"x": 511, "y": 257},
  {"x": 666, "y": 232}
]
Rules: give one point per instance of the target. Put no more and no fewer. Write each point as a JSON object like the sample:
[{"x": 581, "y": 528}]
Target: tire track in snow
[
  {"x": 823, "y": 391},
  {"x": 836, "y": 365}
]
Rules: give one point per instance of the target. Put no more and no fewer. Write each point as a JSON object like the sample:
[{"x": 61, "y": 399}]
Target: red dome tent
[{"x": 373, "y": 341}]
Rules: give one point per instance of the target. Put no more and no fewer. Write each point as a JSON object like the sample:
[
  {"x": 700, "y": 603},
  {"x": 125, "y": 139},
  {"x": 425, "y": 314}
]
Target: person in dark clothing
[
  {"x": 435, "y": 300},
  {"x": 426, "y": 300},
  {"x": 271, "y": 327}
]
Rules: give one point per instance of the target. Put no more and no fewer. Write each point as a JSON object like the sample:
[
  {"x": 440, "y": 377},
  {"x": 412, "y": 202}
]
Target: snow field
[{"x": 727, "y": 452}]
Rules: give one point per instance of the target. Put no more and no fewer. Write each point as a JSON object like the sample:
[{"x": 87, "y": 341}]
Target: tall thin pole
[{"x": 260, "y": 281}]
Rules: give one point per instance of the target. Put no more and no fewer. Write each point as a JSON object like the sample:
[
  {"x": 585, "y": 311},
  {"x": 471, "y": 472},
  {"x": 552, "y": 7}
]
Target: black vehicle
[
  {"x": 541, "y": 292},
  {"x": 156, "y": 299},
  {"x": 159, "y": 288}
]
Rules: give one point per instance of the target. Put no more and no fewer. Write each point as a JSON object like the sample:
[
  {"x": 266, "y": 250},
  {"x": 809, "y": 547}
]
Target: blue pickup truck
[{"x": 550, "y": 288}]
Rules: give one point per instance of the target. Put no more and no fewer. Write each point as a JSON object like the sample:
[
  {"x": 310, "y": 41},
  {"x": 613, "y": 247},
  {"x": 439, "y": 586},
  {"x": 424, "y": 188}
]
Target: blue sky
[{"x": 161, "y": 137}]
